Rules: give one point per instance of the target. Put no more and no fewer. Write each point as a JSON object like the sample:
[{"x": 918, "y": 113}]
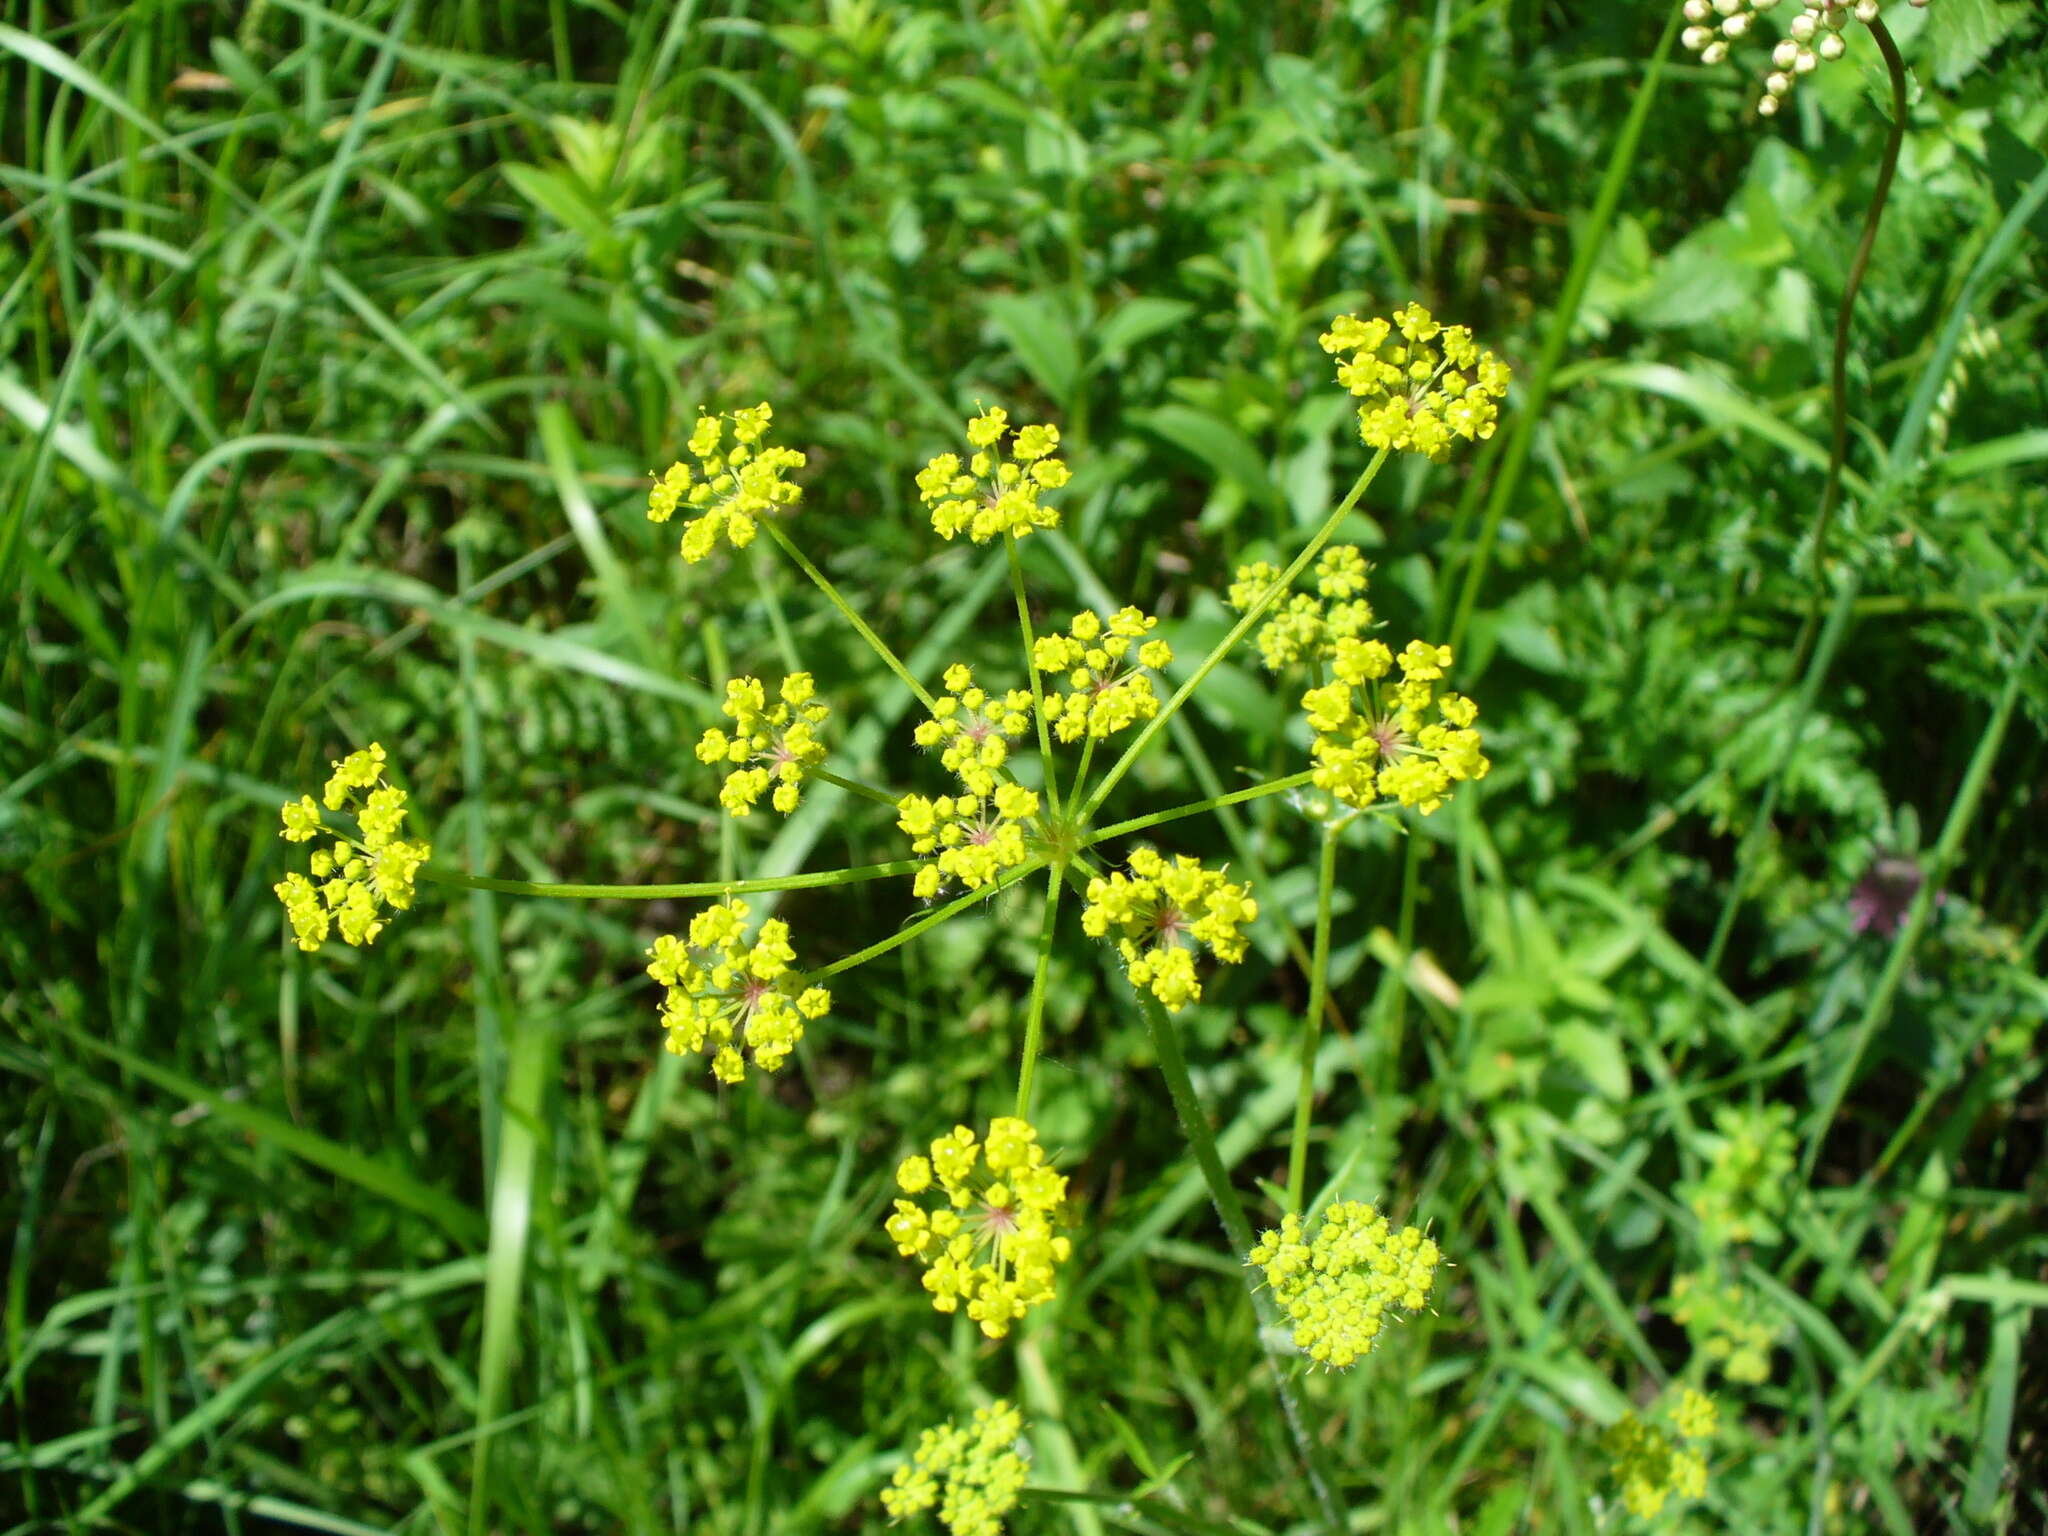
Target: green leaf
[
  {"x": 1227, "y": 452},
  {"x": 1136, "y": 321},
  {"x": 1038, "y": 331},
  {"x": 557, "y": 195},
  {"x": 1961, "y": 33}
]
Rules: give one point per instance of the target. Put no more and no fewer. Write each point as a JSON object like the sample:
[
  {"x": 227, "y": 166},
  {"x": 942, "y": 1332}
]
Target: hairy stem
[
  {"x": 1228, "y": 643},
  {"x": 1034, "y": 1018},
  {"x": 1838, "y": 379},
  {"x": 1312, "y": 1026},
  {"x": 931, "y": 919},
  {"x": 860, "y": 627},
  {"x": 1052, "y": 783},
  {"x": 1196, "y": 808},
  {"x": 805, "y": 882},
  {"x": 1194, "y": 1124}
]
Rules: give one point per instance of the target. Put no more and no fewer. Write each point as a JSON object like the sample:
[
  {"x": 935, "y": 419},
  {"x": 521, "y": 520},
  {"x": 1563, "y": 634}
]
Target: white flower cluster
[{"x": 1815, "y": 34}]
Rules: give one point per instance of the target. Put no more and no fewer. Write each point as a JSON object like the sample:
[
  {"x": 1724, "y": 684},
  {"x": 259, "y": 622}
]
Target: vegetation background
[{"x": 336, "y": 342}]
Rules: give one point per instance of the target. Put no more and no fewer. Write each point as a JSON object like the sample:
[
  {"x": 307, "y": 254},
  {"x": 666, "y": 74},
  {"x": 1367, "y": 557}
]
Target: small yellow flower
[
  {"x": 358, "y": 878},
  {"x": 972, "y": 1475},
  {"x": 1338, "y": 1287},
  {"x": 1159, "y": 912},
  {"x": 992, "y": 495},
  {"x": 1725, "y": 1325},
  {"x": 974, "y": 837},
  {"x": 990, "y": 1243},
  {"x": 973, "y": 729},
  {"x": 731, "y": 488},
  {"x": 730, "y": 999},
  {"x": 1374, "y": 738},
  {"x": 1424, "y": 385},
  {"x": 777, "y": 746},
  {"x": 1651, "y": 1465},
  {"x": 1307, "y": 626},
  {"x": 1104, "y": 693}
]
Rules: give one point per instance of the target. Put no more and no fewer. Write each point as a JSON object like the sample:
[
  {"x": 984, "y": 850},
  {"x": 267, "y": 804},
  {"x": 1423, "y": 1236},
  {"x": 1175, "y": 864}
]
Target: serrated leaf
[{"x": 1961, "y": 33}]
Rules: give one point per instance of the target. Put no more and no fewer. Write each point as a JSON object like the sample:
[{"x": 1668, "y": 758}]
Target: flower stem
[
  {"x": 1838, "y": 378},
  {"x": 853, "y": 786},
  {"x": 860, "y": 627},
  {"x": 1034, "y": 1018},
  {"x": 1052, "y": 783},
  {"x": 1235, "y": 797},
  {"x": 1194, "y": 1124},
  {"x": 1312, "y": 1027},
  {"x": 812, "y": 881},
  {"x": 931, "y": 919},
  {"x": 1238, "y": 631},
  {"x": 1081, "y": 772}
]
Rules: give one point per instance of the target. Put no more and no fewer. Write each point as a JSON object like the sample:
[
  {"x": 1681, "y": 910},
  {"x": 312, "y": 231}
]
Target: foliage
[{"x": 337, "y": 345}]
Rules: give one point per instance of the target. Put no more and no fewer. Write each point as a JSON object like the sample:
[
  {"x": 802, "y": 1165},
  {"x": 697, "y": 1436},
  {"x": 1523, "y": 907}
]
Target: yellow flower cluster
[
  {"x": 1158, "y": 913},
  {"x": 973, "y": 1475},
  {"x": 781, "y": 743},
  {"x": 1338, "y": 1286},
  {"x": 1745, "y": 1189},
  {"x": 732, "y": 488},
  {"x": 976, "y": 837},
  {"x": 357, "y": 878},
  {"x": 1723, "y": 1322},
  {"x": 727, "y": 997},
  {"x": 990, "y": 1242},
  {"x": 1308, "y": 626},
  {"x": 1651, "y": 1464},
  {"x": 1103, "y": 695},
  {"x": 1375, "y": 739},
  {"x": 1423, "y": 389},
  {"x": 994, "y": 495},
  {"x": 973, "y": 728}
]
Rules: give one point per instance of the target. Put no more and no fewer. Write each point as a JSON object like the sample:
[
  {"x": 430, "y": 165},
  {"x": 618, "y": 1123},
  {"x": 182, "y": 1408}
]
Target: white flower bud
[
  {"x": 1804, "y": 64},
  {"x": 1866, "y": 11},
  {"x": 1785, "y": 55},
  {"x": 1736, "y": 26},
  {"x": 1714, "y": 52},
  {"x": 1777, "y": 84},
  {"x": 1803, "y": 27},
  {"x": 1767, "y": 107},
  {"x": 1831, "y": 46},
  {"x": 1727, "y": 7},
  {"x": 1697, "y": 10}
]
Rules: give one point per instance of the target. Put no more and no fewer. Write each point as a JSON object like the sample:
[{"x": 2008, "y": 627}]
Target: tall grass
[{"x": 338, "y": 342}]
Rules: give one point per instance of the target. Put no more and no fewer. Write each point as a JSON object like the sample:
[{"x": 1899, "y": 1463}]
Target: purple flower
[{"x": 1882, "y": 897}]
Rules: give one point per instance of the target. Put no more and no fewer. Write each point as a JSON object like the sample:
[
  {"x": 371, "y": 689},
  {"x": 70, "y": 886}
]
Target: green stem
[
  {"x": 1238, "y": 631},
  {"x": 853, "y": 787},
  {"x": 1052, "y": 783},
  {"x": 1214, "y": 802},
  {"x": 1960, "y": 815},
  {"x": 859, "y": 624},
  {"x": 1194, "y": 1124},
  {"x": 1081, "y": 772},
  {"x": 1034, "y": 1018},
  {"x": 1002, "y": 882},
  {"x": 1312, "y": 1027},
  {"x": 1752, "y": 841},
  {"x": 812, "y": 881}
]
